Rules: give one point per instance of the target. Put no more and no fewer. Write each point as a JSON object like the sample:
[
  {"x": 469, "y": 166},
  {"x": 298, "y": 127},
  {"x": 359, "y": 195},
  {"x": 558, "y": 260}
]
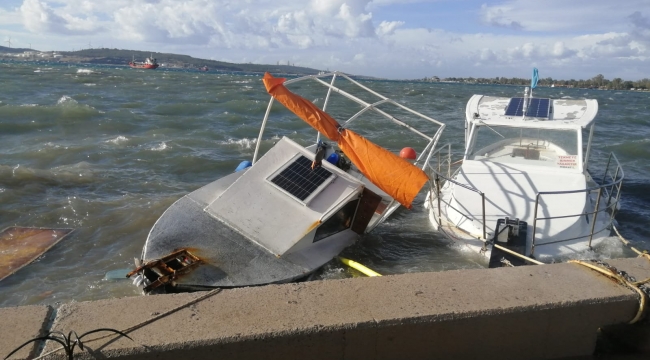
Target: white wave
[
  {"x": 160, "y": 147},
  {"x": 51, "y": 145},
  {"x": 118, "y": 140},
  {"x": 37, "y": 71},
  {"x": 66, "y": 100},
  {"x": 90, "y": 84},
  {"x": 85, "y": 71},
  {"x": 74, "y": 173},
  {"x": 244, "y": 143}
]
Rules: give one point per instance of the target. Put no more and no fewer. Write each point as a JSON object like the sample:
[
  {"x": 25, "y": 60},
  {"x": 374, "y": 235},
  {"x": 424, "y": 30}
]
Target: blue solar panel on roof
[
  {"x": 538, "y": 108},
  {"x": 299, "y": 180},
  {"x": 515, "y": 107}
]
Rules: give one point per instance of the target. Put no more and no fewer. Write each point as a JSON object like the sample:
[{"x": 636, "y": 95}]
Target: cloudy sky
[{"x": 399, "y": 39}]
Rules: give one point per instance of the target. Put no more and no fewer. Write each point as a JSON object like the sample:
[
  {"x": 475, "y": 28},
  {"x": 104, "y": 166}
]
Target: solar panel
[
  {"x": 537, "y": 107},
  {"x": 515, "y": 107},
  {"x": 299, "y": 180}
]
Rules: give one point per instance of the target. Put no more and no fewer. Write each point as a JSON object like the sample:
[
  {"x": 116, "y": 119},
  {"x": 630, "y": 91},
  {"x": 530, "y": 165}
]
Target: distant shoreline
[
  {"x": 123, "y": 57},
  {"x": 118, "y": 57}
]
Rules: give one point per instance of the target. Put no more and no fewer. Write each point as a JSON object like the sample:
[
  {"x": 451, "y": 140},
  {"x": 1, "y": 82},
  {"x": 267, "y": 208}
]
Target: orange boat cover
[{"x": 394, "y": 175}]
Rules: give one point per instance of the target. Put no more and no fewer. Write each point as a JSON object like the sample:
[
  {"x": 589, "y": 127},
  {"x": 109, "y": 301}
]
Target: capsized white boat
[
  {"x": 295, "y": 208},
  {"x": 524, "y": 185}
]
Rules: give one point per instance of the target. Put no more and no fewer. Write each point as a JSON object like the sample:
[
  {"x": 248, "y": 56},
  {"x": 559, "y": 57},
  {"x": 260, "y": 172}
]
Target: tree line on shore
[{"x": 597, "y": 82}]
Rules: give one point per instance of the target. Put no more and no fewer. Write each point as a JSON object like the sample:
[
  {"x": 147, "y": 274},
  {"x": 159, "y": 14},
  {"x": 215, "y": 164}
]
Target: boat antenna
[
  {"x": 533, "y": 81},
  {"x": 527, "y": 96}
]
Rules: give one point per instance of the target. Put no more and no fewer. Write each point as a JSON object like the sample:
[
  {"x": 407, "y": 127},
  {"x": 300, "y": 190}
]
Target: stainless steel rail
[
  {"x": 609, "y": 189},
  {"x": 611, "y": 185}
]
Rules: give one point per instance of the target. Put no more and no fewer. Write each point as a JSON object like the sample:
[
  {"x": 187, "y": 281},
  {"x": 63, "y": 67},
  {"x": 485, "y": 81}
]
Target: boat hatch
[
  {"x": 355, "y": 216},
  {"x": 164, "y": 271},
  {"x": 281, "y": 201}
]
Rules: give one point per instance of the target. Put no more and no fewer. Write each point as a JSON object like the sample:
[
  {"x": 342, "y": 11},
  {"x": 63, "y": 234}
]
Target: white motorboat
[
  {"x": 524, "y": 185},
  {"x": 295, "y": 208}
]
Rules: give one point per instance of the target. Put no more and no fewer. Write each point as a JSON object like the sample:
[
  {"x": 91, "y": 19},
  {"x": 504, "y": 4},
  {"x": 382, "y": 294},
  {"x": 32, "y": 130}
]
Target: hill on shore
[{"x": 122, "y": 57}]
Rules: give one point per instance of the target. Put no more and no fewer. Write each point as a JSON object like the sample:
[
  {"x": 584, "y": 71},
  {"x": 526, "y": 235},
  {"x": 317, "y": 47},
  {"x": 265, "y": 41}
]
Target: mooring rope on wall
[{"x": 622, "y": 278}]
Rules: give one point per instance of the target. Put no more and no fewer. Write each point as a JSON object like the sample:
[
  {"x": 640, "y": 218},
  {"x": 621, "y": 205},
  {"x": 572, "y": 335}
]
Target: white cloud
[
  {"x": 39, "y": 17},
  {"x": 561, "y": 15},
  {"x": 499, "y": 38},
  {"x": 388, "y": 27},
  {"x": 501, "y": 16},
  {"x": 10, "y": 17}
]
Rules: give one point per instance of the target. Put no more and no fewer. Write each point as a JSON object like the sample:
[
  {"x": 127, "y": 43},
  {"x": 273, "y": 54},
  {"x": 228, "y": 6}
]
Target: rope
[
  {"x": 641, "y": 253},
  {"x": 146, "y": 322},
  {"x": 623, "y": 279}
]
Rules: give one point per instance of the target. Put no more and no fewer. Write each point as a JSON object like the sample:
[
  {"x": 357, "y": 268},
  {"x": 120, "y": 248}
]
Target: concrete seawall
[{"x": 533, "y": 312}]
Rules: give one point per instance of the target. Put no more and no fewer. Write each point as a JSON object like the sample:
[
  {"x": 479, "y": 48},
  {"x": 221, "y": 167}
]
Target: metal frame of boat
[
  {"x": 279, "y": 219},
  {"x": 528, "y": 197},
  {"x": 425, "y": 153}
]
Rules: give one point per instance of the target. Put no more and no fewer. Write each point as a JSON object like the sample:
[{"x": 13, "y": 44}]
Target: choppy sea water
[{"x": 107, "y": 149}]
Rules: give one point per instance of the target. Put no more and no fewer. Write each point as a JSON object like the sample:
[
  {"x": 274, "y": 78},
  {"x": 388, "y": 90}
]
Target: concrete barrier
[
  {"x": 533, "y": 312},
  {"x": 19, "y": 324}
]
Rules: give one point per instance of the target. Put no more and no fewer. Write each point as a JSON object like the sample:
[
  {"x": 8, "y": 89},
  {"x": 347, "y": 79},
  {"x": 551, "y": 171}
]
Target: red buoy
[{"x": 408, "y": 153}]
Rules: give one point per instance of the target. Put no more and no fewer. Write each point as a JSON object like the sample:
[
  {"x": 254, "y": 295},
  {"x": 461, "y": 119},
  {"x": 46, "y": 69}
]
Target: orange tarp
[{"x": 394, "y": 175}]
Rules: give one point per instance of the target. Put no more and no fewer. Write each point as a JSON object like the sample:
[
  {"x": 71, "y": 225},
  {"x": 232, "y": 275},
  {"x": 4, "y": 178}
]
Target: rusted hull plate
[{"x": 19, "y": 246}]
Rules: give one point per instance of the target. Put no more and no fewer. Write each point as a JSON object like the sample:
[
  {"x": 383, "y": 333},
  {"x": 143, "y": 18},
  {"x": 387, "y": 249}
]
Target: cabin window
[
  {"x": 515, "y": 145},
  {"x": 340, "y": 221}
]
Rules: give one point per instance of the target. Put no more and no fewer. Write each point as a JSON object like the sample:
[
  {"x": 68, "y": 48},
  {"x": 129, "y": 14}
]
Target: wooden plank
[{"x": 19, "y": 246}]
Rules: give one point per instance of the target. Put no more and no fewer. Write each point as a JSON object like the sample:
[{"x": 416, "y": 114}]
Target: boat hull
[
  {"x": 228, "y": 258},
  {"x": 144, "y": 66},
  {"x": 445, "y": 220}
]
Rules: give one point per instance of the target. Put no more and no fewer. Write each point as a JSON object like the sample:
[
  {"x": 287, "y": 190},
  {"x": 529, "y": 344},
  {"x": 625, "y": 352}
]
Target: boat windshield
[{"x": 533, "y": 146}]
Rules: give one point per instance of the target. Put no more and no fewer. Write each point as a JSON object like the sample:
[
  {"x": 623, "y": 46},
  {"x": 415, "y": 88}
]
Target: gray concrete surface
[
  {"x": 534, "y": 312},
  {"x": 19, "y": 324}
]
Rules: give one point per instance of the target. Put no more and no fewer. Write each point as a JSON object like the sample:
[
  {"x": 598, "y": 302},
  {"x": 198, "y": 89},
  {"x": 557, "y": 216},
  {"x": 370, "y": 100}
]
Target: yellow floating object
[{"x": 355, "y": 265}]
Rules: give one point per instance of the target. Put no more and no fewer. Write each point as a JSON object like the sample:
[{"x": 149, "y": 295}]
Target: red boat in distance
[{"x": 149, "y": 63}]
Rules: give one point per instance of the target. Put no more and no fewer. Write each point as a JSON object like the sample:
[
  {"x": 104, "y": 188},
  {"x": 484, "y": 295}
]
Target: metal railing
[
  {"x": 442, "y": 170},
  {"x": 357, "y": 93},
  {"x": 435, "y": 188},
  {"x": 608, "y": 190}
]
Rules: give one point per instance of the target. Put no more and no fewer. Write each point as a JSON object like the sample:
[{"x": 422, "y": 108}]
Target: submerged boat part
[
  {"x": 164, "y": 271},
  {"x": 19, "y": 246},
  {"x": 285, "y": 214}
]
